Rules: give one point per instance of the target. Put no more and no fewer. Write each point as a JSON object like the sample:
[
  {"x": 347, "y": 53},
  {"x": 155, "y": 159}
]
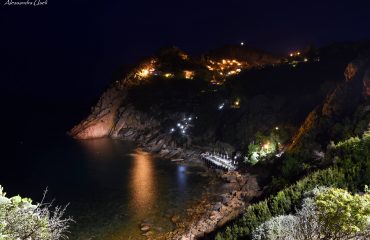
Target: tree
[
  {"x": 341, "y": 214},
  {"x": 326, "y": 213},
  {"x": 20, "y": 219},
  {"x": 281, "y": 227}
]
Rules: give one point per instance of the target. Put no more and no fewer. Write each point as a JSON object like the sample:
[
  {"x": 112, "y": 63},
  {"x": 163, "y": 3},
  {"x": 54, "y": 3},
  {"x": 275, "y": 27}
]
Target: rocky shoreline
[
  {"x": 205, "y": 217},
  {"x": 241, "y": 189}
]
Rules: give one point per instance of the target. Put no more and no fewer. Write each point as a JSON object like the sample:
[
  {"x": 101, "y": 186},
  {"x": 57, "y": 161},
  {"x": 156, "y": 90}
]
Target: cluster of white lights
[{"x": 183, "y": 125}]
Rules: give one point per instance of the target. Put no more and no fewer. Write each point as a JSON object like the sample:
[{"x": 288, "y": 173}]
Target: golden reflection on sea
[{"x": 142, "y": 183}]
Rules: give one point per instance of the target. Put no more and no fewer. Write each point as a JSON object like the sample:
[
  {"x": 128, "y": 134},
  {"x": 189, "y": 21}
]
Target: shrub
[
  {"x": 328, "y": 213},
  {"x": 351, "y": 170},
  {"x": 284, "y": 202},
  {"x": 341, "y": 214},
  {"x": 281, "y": 227},
  {"x": 20, "y": 219}
]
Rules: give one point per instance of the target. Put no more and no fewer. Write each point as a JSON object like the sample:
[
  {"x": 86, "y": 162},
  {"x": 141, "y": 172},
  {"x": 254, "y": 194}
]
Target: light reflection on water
[
  {"x": 111, "y": 187},
  {"x": 142, "y": 183},
  {"x": 181, "y": 178}
]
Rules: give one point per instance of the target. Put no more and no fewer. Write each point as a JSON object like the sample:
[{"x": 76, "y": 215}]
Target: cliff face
[
  {"x": 349, "y": 102},
  {"x": 104, "y": 116}
]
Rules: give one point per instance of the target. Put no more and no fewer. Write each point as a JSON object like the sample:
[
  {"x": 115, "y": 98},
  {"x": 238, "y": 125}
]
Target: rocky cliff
[
  {"x": 169, "y": 103},
  {"x": 104, "y": 116},
  {"x": 346, "y": 108},
  {"x": 152, "y": 99}
]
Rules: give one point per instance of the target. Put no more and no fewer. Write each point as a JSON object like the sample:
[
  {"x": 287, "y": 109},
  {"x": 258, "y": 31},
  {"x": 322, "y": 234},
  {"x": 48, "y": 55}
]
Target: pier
[{"x": 219, "y": 161}]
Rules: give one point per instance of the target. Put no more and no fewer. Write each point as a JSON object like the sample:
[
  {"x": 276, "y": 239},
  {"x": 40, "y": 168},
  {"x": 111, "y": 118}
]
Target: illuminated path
[{"x": 218, "y": 161}]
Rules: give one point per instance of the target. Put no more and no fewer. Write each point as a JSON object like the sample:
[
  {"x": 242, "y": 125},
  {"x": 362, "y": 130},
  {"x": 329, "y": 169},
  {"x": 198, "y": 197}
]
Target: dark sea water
[{"x": 111, "y": 187}]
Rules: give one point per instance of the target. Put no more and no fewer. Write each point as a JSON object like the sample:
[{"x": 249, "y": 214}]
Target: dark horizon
[{"x": 74, "y": 48}]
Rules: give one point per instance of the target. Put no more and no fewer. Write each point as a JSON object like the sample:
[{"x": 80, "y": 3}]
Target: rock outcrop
[
  {"x": 105, "y": 114},
  {"x": 339, "y": 105},
  {"x": 242, "y": 188}
]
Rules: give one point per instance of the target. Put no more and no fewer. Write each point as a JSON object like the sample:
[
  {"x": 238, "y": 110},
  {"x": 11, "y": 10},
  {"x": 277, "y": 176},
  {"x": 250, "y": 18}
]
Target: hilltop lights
[
  {"x": 225, "y": 68},
  {"x": 146, "y": 70},
  {"x": 295, "y": 54},
  {"x": 189, "y": 74},
  {"x": 143, "y": 73},
  {"x": 168, "y": 75}
]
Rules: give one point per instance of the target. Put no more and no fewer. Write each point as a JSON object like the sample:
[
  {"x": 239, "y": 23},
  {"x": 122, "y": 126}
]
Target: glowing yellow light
[
  {"x": 223, "y": 61},
  {"x": 277, "y": 128},
  {"x": 266, "y": 145},
  {"x": 210, "y": 68},
  {"x": 189, "y": 74},
  {"x": 146, "y": 70},
  {"x": 184, "y": 56},
  {"x": 143, "y": 73},
  {"x": 168, "y": 75},
  {"x": 298, "y": 53},
  {"x": 291, "y": 54},
  {"x": 306, "y": 60},
  {"x": 238, "y": 70}
]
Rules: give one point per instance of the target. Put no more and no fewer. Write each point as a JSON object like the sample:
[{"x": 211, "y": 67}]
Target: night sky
[{"x": 69, "y": 50}]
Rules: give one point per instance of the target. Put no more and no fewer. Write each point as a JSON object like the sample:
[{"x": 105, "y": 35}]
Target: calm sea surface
[{"x": 111, "y": 187}]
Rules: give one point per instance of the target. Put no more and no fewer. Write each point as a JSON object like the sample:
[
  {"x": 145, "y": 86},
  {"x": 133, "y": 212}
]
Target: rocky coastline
[
  {"x": 231, "y": 204},
  {"x": 204, "y": 217}
]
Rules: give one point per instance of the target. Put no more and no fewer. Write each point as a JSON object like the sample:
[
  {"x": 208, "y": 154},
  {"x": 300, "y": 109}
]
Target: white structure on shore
[{"x": 219, "y": 160}]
